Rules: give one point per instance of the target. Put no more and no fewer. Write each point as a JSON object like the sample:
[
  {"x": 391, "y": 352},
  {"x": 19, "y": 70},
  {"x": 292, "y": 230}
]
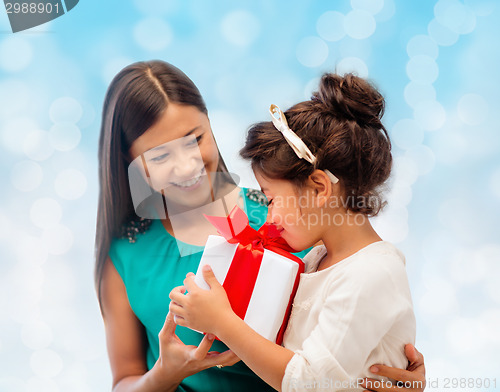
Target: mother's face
[{"x": 179, "y": 156}]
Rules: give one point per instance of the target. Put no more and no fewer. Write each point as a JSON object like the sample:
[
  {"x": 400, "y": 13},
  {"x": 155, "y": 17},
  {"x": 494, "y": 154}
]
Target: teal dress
[{"x": 150, "y": 268}]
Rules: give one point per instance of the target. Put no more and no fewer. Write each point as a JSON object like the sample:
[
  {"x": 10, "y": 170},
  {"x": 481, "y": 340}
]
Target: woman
[{"x": 139, "y": 261}]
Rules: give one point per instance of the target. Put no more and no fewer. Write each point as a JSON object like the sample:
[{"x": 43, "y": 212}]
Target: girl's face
[
  {"x": 293, "y": 214},
  {"x": 178, "y": 155}
]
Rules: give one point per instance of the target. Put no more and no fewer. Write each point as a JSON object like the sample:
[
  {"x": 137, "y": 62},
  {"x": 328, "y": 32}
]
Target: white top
[{"x": 347, "y": 317}]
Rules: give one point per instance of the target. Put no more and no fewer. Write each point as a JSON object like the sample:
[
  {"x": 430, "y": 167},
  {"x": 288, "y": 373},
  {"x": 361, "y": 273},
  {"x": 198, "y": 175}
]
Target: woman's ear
[{"x": 321, "y": 185}]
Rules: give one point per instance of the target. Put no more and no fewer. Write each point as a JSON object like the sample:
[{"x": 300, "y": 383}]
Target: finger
[
  {"x": 415, "y": 358},
  {"x": 177, "y": 291},
  {"x": 190, "y": 284},
  {"x": 226, "y": 358},
  {"x": 176, "y": 309},
  {"x": 395, "y": 373},
  {"x": 180, "y": 321},
  {"x": 205, "y": 344},
  {"x": 209, "y": 276},
  {"x": 168, "y": 326},
  {"x": 177, "y": 297}
]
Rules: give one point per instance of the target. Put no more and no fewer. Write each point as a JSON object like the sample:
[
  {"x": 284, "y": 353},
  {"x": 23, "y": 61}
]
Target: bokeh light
[
  {"x": 240, "y": 28},
  {"x": 153, "y": 34},
  {"x": 312, "y": 51}
]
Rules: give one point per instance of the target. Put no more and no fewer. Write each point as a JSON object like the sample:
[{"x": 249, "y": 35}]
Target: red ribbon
[{"x": 242, "y": 274}]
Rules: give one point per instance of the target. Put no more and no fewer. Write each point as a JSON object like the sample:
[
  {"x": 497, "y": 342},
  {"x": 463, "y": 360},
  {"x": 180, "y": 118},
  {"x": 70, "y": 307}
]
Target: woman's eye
[{"x": 160, "y": 157}]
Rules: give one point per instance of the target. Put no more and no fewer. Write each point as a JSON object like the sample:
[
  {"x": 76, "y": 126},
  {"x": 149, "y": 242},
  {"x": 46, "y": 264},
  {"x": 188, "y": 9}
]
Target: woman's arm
[
  {"x": 212, "y": 313},
  {"x": 126, "y": 344}
]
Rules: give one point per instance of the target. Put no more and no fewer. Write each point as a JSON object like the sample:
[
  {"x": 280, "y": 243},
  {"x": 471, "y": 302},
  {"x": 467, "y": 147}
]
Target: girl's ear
[{"x": 321, "y": 185}]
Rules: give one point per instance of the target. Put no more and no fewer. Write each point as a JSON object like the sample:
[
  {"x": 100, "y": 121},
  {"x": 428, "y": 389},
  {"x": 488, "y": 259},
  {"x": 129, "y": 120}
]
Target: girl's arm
[
  {"x": 211, "y": 312},
  {"x": 126, "y": 344}
]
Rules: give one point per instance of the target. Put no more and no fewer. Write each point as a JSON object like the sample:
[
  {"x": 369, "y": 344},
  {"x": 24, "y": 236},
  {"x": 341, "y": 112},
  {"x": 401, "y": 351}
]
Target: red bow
[{"x": 242, "y": 274}]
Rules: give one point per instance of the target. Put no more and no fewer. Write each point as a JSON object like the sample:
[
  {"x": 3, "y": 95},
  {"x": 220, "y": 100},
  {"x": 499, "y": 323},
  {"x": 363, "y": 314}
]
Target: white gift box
[{"x": 274, "y": 286}]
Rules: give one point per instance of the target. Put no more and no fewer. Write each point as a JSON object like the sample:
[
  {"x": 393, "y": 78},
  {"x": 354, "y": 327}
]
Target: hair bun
[{"x": 350, "y": 97}]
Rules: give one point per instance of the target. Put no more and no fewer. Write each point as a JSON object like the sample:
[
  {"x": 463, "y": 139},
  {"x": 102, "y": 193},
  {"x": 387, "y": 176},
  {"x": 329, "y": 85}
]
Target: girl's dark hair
[
  {"x": 135, "y": 100},
  {"x": 342, "y": 127}
]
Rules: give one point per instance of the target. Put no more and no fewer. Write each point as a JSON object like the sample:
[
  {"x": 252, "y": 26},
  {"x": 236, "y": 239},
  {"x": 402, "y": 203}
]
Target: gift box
[{"x": 256, "y": 269}]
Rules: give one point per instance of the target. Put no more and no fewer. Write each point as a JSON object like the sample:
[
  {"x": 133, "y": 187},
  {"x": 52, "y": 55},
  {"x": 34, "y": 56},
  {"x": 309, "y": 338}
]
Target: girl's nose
[{"x": 186, "y": 167}]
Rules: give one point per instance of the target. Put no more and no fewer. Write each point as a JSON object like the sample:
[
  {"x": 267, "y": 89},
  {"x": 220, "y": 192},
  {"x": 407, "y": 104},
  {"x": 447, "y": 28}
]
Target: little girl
[{"x": 320, "y": 165}]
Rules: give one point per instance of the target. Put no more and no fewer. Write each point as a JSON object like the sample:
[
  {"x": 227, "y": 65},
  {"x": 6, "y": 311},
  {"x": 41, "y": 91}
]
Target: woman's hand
[
  {"x": 412, "y": 379},
  {"x": 203, "y": 310},
  {"x": 186, "y": 360}
]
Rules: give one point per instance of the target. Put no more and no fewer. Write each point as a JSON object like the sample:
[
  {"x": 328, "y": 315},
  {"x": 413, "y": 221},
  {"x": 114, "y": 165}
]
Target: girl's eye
[
  {"x": 269, "y": 202},
  {"x": 160, "y": 157},
  {"x": 195, "y": 141}
]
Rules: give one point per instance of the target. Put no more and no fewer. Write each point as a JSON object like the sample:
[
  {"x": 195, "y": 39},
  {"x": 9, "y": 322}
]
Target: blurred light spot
[
  {"x": 407, "y": 133},
  {"x": 45, "y": 212},
  {"x": 456, "y": 16},
  {"x": 14, "y": 97},
  {"x": 387, "y": 11},
  {"x": 153, "y": 34},
  {"x": 113, "y": 66},
  {"x": 464, "y": 335},
  {"x": 399, "y": 196},
  {"x": 41, "y": 384},
  {"x": 441, "y": 34},
  {"x": 495, "y": 182},
  {"x": 424, "y": 158},
  {"x": 15, "y": 132},
  {"x": 354, "y": 65},
  {"x": 489, "y": 325},
  {"x": 330, "y": 26},
  {"x": 405, "y": 170},
  {"x": 88, "y": 116},
  {"x": 12, "y": 384},
  {"x": 452, "y": 211},
  {"x": 64, "y": 136},
  {"x": 449, "y": 146},
  {"x": 5, "y": 226},
  {"x": 430, "y": 115},
  {"x": 36, "y": 145},
  {"x": 466, "y": 268},
  {"x": 36, "y": 335},
  {"x": 46, "y": 363},
  {"x": 70, "y": 184},
  {"x": 354, "y": 48},
  {"x": 311, "y": 87},
  {"x": 422, "y": 69},
  {"x": 473, "y": 109},
  {"x": 372, "y": 6},
  {"x": 312, "y": 51},
  {"x": 31, "y": 249},
  {"x": 359, "y": 24},
  {"x": 58, "y": 238},
  {"x": 440, "y": 297},
  {"x": 65, "y": 110},
  {"x": 392, "y": 224},
  {"x": 15, "y": 53},
  {"x": 438, "y": 245},
  {"x": 26, "y": 176},
  {"x": 416, "y": 92},
  {"x": 481, "y": 7},
  {"x": 422, "y": 45},
  {"x": 240, "y": 28},
  {"x": 157, "y": 7}
]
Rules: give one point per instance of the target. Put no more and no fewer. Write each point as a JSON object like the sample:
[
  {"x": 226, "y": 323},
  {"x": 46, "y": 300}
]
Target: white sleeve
[{"x": 357, "y": 313}]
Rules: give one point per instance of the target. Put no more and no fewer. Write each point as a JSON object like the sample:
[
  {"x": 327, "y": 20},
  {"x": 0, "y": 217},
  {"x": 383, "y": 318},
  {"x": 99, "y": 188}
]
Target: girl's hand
[
  {"x": 412, "y": 379},
  {"x": 186, "y": 360},
  {"x": 203, "y": 310}
]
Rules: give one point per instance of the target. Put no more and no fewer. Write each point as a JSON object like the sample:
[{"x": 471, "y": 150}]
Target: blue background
[{"x": 436, "y": 62}]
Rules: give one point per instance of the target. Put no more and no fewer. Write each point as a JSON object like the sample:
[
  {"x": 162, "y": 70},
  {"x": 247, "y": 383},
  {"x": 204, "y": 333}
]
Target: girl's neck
[{"x": 343, "y": 240}]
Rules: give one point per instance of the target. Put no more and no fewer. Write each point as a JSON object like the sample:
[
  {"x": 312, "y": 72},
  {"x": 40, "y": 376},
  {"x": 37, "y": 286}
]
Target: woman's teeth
[{"x": 188, "y": 183}]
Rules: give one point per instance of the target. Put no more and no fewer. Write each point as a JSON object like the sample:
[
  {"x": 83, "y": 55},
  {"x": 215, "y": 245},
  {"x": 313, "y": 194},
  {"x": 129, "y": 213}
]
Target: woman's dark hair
[
  {"x": 342, "y": 127},
  {"x": 135, "y": 100}
]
